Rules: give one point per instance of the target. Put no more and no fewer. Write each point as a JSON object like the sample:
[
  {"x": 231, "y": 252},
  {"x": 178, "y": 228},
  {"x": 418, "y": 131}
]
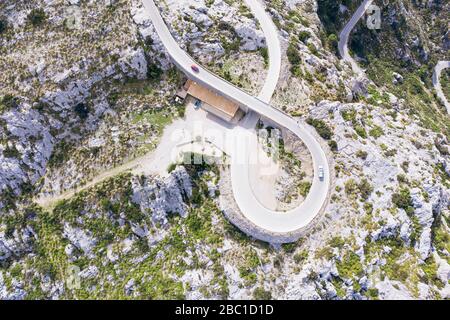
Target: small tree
[
  {"x": 403, "y": 201},
  {"x": 3, "y": 25},
  {"x": 333, "y": 42},
  {"x": 10, "y": 102},
  {"x": 304, "y": 36},
  {"x": 365, "y": 189},
  {"x": 321, "y": 127},
  {"x": 362, "y": 154},
  {"x": 351, "y": 187},
  {"x": 37, "y": 17},
  {"x": 153, "y": 72},
  {"x": 82, "y": 110},
  {"x": 333, "y": 145},
  {"x": 261, "y": 294},
  {"x": 149, "y": 41},
  {"x": 293, "y": 54},
  {"x": 11, "y": 152}
]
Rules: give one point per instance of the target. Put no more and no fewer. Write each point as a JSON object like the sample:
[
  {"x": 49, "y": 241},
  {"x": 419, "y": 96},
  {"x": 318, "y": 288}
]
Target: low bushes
[
  {"x": 294, "y": 58},
  {"x": 321, "y": 127},
  {"x": 3, "y": 25},
  {"x": 37, "y": 17},
  {"x": 402, "y": 200},
  {"x": 261, "y": 294},
  {"x": 363, "y": 189},
  {"x": 376, "y": 132},
  {"x": 82, "y": 110},
  {"x": 350, "y": 266},
  {"x": 9, "y": 102},
  {"x": 154, "y": 72},
  {"x": 293, "y": 54}
]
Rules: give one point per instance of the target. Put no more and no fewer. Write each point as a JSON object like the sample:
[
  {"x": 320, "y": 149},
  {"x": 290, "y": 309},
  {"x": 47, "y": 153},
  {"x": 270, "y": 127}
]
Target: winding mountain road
[
  {"x": 441, "y": 65},
  {"x": 250, "y": 207},
  {"x": 274, "y": 47},
  {"x": 345, "y": 54},
  {"x": 345, "y": 34}
]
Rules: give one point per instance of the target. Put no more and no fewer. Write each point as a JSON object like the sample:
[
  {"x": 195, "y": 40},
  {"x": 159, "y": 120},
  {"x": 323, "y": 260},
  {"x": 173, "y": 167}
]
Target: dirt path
[{"x": 49, "y": 201}]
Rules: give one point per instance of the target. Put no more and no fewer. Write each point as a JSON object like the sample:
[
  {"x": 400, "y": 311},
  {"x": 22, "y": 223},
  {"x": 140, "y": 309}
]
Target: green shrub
[
  {"x": 300, "y": 257},
  {"x": 333, "y": 42},
  {"x": 37, "y": 17},
  {"x": 333, "y": 145},
  {"x": 289, "y": 247},
  {"x": 11, "y": 152},
  {"x": 376, "y": 132},
  {"x": 10, "y": 102},
  {"x": 325, "y": 252},
  {"x": 248, "y": 265},
  {"x": 340, "y": 291},
  {"x": 154, "y": 72},
  {"x": 327, "y": 11},
  {"x": 303, "y": 36},
  {"x": 402, "y": 200},
  {"x": 402, "y": 179},
  {"x": 181, "y": 111},
  {"x": 349, "y": 115},
  {"x": 390, "y": 153},
  {"x": 361, "y": 154},
  {"x": 321, "y": 127},
  {"x": 61, "y": 154},
  {"x": 361, "y": 131},
  {"x": 440, "y": 236},
  {"x": 297, "y": 72},
  {"x": 82, "y": 110},
  {"x": 293, "y": 54},
  {"x": 264, "y": 51},
  {"x": 312, "y": 48},
  {"x": 304, "y": 188},
  {"x": 351, "y": 187},
  {"x": 365, "y": 189},
  {"x": 368, "y": 207},
  {"x": 261, "y": 294},
  {"x": 171, "y": 167},
  {"x": 372, "y": 293},
  {"x": 336, "y": 242},
  {"x": 350, "y": 266},
  {"x": 3, "y": 25}
]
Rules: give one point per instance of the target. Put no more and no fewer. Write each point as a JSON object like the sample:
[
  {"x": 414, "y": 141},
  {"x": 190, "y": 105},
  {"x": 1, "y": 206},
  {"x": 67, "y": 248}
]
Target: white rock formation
[
  {"x": 160, "y": 198},
  {"x": 79, "y": 238}
]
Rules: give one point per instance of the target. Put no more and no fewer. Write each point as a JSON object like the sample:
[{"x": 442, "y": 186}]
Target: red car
[{"x": 195, "y": 68}]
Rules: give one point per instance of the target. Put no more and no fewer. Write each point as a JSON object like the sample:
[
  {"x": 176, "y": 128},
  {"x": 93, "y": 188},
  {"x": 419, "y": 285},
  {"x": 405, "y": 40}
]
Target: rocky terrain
[
  {"x": 59, "y": 82},
  {"x": 222, "y": 35},
  {"x": 78, "y": 101}
]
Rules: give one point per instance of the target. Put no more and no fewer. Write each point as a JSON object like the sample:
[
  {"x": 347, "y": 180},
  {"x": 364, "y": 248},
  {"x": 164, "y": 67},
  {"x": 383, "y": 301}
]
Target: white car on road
[{"x": 321, "y": 173}]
